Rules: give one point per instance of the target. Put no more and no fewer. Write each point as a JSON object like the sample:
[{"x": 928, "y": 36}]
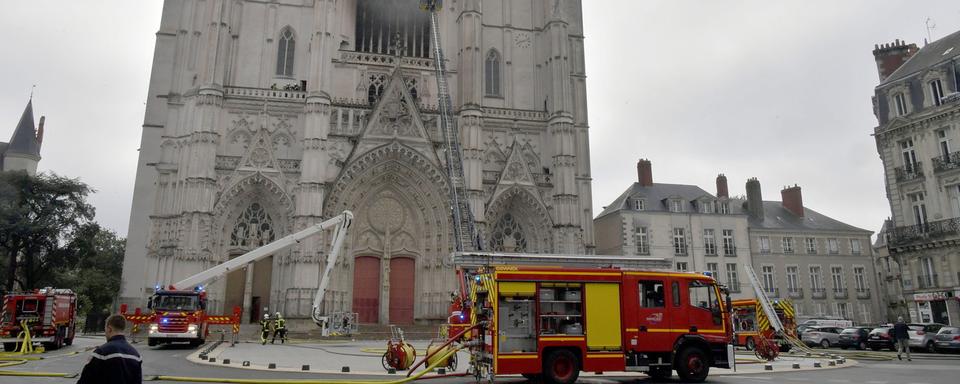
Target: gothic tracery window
[
  {"x": 508, "y": 235},
  {"x": 254, "y": 228},
  {"x": 492, "y": 73},
  {"x": 285, "y": 50}
]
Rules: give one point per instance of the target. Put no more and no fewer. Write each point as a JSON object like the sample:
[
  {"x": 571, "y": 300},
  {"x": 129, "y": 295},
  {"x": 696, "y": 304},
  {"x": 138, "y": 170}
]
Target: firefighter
[
  {"x": 279, "y": 328},
  {"x": 265, "y": 328}
]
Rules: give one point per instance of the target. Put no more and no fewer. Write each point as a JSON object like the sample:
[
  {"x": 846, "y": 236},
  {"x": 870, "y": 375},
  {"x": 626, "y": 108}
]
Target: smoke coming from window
[{"x": 381, "y": 24}]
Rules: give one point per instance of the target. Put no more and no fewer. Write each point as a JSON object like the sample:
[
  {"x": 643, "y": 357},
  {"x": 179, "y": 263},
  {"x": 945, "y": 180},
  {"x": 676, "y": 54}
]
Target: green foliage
[{"x": 48, "y": 239}]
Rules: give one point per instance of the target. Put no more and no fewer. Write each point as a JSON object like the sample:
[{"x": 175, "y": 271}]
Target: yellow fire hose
[{"x": 306, "y": 381}]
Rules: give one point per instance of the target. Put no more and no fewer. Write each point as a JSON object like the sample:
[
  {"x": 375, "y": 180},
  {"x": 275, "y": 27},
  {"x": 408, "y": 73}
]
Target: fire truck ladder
[
  {"x": 764, "y": 301},
  {"x": 464, "y": 230}
]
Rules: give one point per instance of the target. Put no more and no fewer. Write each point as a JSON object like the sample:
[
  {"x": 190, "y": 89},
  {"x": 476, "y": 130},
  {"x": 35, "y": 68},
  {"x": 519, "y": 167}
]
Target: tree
[
  {"x": 92, "y": 262},
  {"x": 37, "y": 215}
]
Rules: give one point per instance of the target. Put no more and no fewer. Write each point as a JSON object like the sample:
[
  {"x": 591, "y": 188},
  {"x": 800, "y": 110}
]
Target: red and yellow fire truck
[
  {"x": 50, "y": 315},
  {"x": 751, "y": 325},
  {"x": 553, "y": 322},
  {"x": 179, "y": 316}
]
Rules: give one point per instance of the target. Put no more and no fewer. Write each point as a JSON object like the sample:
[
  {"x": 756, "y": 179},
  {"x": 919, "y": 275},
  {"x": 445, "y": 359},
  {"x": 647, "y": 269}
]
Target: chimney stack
[
  {"x": 722, "y": 190},
  {"x": 644, "y": 173},
  {"x": 754, "y": 198},
  {"x": 891, "y": 56},
  {"x": 40, "y": 131},
  {"x": 793, "y": 200}
]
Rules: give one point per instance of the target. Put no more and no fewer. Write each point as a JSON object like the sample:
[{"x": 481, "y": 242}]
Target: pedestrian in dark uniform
[
  {"x": 902, "y": 336},
  {"x": 115, "y": 362},
  {"x": 279, "y": 329}
]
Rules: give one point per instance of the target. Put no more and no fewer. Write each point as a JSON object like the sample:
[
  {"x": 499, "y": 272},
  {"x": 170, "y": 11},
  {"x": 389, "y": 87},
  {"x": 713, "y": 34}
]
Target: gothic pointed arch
[
  {"x": 491, "y": 73},
  {"x": 519, "y": 222},
  {"x": 286, "y": 50},
  {"x": 236, "y": 199}
]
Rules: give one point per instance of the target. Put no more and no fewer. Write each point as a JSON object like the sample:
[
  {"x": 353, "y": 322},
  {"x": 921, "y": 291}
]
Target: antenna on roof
[
  {"x": 31, "y": 91},
  {"x": 931, "y": 25}
]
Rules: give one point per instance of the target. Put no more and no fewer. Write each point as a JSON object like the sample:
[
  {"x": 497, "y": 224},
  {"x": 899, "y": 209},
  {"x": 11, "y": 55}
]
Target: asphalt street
[{"x": 170, "y": 360}]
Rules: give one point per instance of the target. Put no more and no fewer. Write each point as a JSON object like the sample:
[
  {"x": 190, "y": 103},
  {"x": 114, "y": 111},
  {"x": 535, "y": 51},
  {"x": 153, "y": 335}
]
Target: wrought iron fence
[
  {"x": 796, "y": 293},
  {"x": 946, "y": 162},
  {"x": 923, "y": 232},
  {"x": 818, "y": 293},
  {"x": 909, "y": 172}
]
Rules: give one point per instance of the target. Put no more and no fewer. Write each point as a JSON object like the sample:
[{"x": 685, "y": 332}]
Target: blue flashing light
[
  {"x": 708, "y": 273},
  {"x": 477, "y": 277},
  {"x": 461, "y": 316},
  {"x": 164, "y": 320},
  {"x": 198, "y": 288}
]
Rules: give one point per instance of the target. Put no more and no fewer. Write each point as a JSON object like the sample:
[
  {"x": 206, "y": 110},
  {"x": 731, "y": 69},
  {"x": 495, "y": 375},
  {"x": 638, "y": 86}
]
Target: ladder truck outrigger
[{"x": 179, "y": 312}]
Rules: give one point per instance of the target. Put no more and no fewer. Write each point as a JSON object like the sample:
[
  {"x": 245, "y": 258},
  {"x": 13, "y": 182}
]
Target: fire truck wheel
[
  {"x": 151, "y": 342},
  {"x": 68, "y": 341},
  {"x": 692, "y": 365},
  {"x": 660, "y": 372},
  {"x": 561, "y": 367},
  {"x": 9, "y": 347},
  {"x": 750, "y": 344}
]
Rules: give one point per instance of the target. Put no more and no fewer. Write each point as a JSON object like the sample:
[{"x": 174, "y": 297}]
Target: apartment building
[
  {"x": 696, "y": 230},
  {"x": 821, "y": 264},
  {"x": 918, "y": 113}
]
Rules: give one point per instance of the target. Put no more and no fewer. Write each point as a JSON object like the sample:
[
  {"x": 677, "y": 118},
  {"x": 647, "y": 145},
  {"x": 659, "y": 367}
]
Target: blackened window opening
[{"x": 380, "y": 22}]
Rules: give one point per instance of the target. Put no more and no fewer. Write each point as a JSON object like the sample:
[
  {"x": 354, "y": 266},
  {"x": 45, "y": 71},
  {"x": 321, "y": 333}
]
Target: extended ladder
[
  {"x": 464, "y": 231},
  {"x": 764, "y": 301}
]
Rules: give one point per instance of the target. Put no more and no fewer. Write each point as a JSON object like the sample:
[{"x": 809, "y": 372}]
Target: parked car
[
  {"x": 839, "y": 323},
  {"x": 822, "y": 336},
  {"x": 947, "y": 339},
  {"x": 855, "y": 337},
  {"x": 880, "y": 338},
  {"x": 922, "y": 335}
]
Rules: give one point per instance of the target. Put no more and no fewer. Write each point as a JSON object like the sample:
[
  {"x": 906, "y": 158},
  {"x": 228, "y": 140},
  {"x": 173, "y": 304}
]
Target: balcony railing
[
  {"x": 818, "y": 293},
  {"x": 924, "y": 232},
  {"x": 946, "y": 162},
  {"x": 796, "y": 293},
  {"x": 840, "y": 293},
  {"x": 863, "y": 293},
  {"x": 928, "y": 281},
  {"x": 909, "y": 172},
  {"x": 772, "y": 292}
]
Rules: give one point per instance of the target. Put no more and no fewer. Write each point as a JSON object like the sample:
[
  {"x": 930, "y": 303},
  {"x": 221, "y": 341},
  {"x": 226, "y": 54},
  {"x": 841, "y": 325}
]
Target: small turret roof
[{"x": 24, "y": 138}]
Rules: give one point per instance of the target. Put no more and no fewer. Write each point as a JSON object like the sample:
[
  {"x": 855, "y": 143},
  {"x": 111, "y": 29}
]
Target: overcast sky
[{"x": 778, "y": 90}]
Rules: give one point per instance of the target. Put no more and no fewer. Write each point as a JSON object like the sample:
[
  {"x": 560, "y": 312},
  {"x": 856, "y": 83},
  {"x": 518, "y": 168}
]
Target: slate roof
[
  {"x": 930, "y": 55},
  {"x": 776, "y": 217},
  {"x": 654, "y": 195},
  {"x": 24, "y": 138}
]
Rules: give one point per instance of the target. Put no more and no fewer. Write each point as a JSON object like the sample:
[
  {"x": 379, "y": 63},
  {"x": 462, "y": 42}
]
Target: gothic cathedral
[{"x": 267, "y": 116}]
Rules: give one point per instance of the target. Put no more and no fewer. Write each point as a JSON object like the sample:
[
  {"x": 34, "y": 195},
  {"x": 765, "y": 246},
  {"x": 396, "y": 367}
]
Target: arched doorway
[
  {"x": 402, "y": 284},
  {"x": 254, "y": 227},
  {"x": 366, "y": 288}
]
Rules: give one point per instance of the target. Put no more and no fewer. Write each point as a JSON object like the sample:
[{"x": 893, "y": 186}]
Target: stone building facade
[
  {"x": 266, "y": 117},
  {"x": 917, "y": 106},
  {"x": 823, "y": 265},
  {"x": 694, "y": 229}
]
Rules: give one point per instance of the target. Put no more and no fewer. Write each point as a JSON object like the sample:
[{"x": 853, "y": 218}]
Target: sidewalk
[{"x": 363, "y": 357}]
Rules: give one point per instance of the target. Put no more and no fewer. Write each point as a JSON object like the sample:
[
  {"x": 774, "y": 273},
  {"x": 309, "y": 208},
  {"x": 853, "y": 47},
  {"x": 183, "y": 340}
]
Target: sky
[{"x": 778, "y": 90}]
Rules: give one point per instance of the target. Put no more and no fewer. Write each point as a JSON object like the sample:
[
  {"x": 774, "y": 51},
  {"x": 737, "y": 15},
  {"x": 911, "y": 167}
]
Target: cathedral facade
[{"x": 265, "y": 117}]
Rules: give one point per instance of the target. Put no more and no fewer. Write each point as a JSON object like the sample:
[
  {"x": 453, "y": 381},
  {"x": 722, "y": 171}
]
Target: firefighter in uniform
[
  {"x": 265, "y": 326},
  {"x": 279, "y": 328}
]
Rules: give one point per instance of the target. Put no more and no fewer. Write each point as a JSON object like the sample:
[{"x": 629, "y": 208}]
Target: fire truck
[
  {"x": 179, "y": 316},
  {"x": 50, "y": 315},
  {"x": 178, "y": 313},
  {"x": 552, "y": 322},
  {"x": 752, "y": 326}
]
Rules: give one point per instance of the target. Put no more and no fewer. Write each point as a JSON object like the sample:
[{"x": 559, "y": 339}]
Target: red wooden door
[
  {"x": 401, "y": 290},
  {"x": 366, "y": 288}
]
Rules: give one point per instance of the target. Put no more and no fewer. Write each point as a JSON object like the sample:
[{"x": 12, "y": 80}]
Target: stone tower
[{"x": 268, "y": 116}]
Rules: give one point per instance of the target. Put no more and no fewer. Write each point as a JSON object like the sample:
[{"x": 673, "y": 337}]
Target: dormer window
[
  {"x": 638, "y": 205},
  {"x": 936, "y": 91},
  {"x": 900, "y": 104},
  {"x": 676, "y": 206},
  {"x": 724, "y": 208},
  {"x": 706, "y": 207}
]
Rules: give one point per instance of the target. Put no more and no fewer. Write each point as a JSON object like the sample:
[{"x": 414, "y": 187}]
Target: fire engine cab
[
  {"x": 178, "y": 316},
  {"x": 553, "y": 322},
  {"x": 50, "y": 315}
]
